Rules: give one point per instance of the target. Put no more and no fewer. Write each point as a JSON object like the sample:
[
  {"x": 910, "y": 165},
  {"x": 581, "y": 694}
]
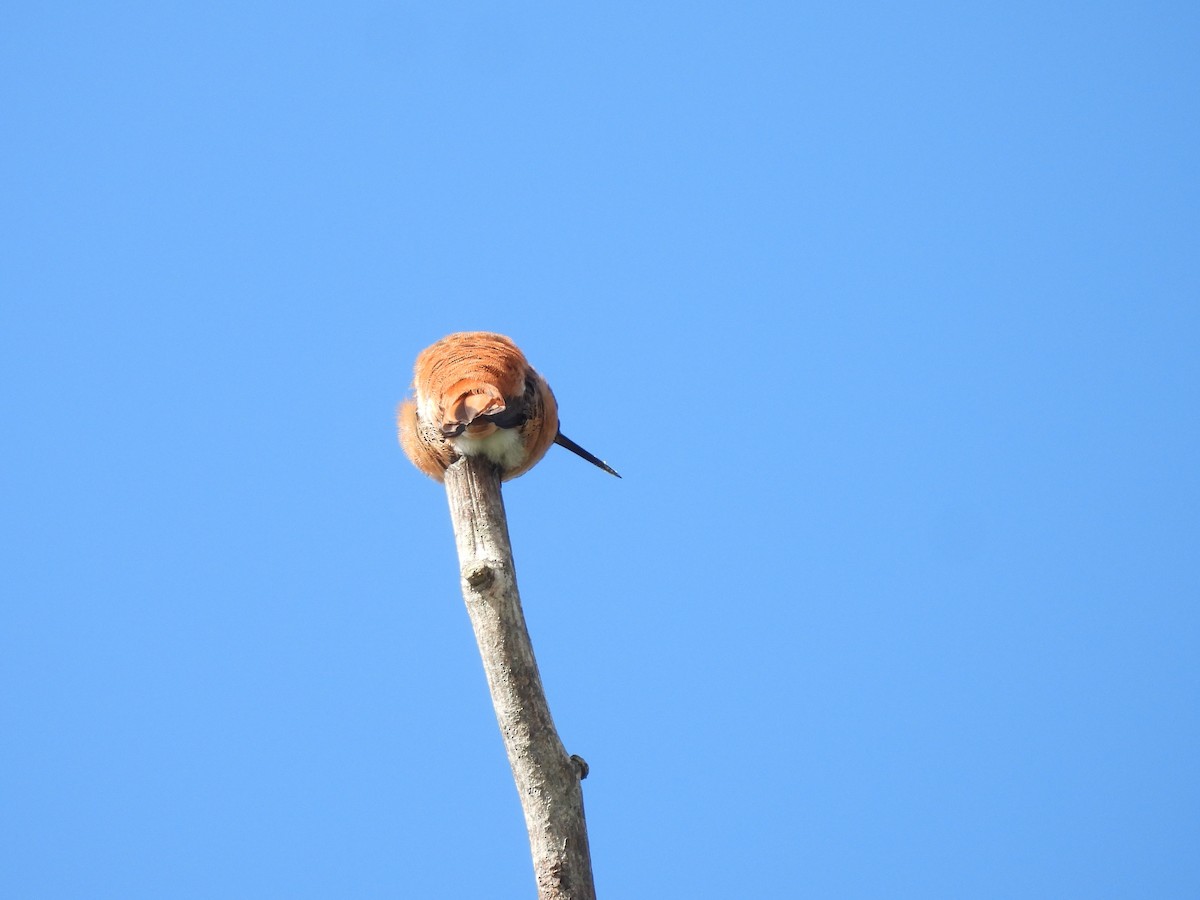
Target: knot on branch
[
  {"x": 479, "y": 574},
  {"x": 581, "y": 766}
]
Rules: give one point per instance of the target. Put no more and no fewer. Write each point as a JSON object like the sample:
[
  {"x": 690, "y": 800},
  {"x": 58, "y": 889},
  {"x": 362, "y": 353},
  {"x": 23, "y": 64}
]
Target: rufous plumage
[{"x": 474, "y": 393}]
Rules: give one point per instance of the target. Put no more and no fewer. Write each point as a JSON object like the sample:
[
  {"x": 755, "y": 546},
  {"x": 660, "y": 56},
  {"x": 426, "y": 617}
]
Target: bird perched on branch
[{"x": 476, "y": 394}]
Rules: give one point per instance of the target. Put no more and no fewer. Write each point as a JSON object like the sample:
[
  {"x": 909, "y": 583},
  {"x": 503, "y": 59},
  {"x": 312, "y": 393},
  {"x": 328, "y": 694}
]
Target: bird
[{"x": 475, "y": 394}]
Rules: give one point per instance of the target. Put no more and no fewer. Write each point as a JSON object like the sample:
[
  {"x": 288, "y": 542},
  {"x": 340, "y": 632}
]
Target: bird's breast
[{"x": 502, "y": 446}]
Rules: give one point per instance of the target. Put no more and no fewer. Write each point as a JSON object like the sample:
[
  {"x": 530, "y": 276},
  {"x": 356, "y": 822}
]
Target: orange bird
[{"x": 476, "y": 394}]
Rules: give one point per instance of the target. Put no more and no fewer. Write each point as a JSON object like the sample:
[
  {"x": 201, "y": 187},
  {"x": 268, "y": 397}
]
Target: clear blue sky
[{"x": 887, "y": 314}]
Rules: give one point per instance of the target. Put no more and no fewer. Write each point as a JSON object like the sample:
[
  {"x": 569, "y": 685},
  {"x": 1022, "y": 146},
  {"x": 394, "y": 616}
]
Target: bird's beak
[{"x": 563, "y": 441}]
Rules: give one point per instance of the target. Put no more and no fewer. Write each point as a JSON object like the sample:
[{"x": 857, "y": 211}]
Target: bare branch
[{"x": 548, "y": 781}]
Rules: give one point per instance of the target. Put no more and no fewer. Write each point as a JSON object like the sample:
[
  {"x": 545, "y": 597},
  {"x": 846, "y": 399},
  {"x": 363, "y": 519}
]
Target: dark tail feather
[{"x": 563, "y": 441}]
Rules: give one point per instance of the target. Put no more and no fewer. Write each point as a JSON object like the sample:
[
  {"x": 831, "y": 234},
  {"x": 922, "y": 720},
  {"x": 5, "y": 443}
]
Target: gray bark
[{"x": 547, "y": 779}]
